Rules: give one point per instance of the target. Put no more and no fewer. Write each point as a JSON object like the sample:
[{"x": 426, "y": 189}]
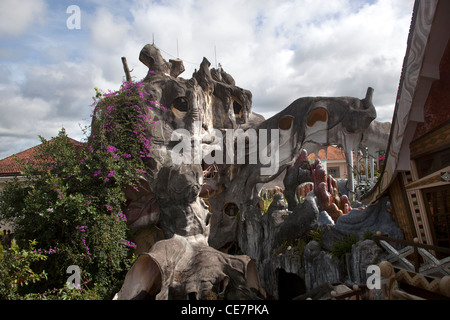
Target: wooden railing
[
  {"x": 354, "y": 293},
  {"x": 406, "y": 285},
  {"x": 421, "y": 259},
  {"x": 413, "y": 272}
]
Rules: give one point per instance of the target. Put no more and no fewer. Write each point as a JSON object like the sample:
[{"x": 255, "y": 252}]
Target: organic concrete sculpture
[{"x": 198, "y": 208}]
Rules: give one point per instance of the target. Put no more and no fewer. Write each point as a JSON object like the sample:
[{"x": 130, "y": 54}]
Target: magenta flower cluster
[
  {"x": 140, "y": 171},
  {"x": 111, "y": 149},
  {"x": 143, "y": 117},
  {"x": 130, "y": 244},
  {"x": 82, "y": 229},
  {"x": 121, "y": 216},
  {"x": 50, "y": 250},
  {"x": 60, "y": 194}
]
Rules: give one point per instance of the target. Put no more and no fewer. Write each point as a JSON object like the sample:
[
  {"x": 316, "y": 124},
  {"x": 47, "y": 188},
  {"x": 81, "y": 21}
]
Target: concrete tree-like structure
[{"x": 199, "y": 226}]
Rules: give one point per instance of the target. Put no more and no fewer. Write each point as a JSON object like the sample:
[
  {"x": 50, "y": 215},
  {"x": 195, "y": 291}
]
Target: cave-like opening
[{"x": 290, "y": 285}]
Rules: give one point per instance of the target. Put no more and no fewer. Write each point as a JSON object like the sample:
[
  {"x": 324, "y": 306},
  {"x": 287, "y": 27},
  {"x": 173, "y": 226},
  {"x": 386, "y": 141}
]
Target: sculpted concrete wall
[{"x": 199, "y": 214}]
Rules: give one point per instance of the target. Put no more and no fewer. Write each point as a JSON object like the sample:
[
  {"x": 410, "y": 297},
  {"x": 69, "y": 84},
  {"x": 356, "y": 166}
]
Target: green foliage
[
  {"x": 267, "y": 202},
  {"x": 377, "y": 174},
  {"x": 316, "y": 234},
  {"x": 66, "y": 293},
  {"x": 72, "y": 199},
  {"x": 368, "y": 235},
  {"x": 121, "y": 123},
  {"x": 298, "y": 245},
  {"x": 341, "y": 248},
  {"x": 16, "y": 271},
  {"x": 294, "y": 246}
]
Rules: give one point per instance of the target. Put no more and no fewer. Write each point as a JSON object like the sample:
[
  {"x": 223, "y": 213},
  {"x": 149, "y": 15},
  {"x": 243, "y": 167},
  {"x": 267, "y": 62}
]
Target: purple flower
[
  {"x": 130, "y": 244},
  {"x": 122, "y": 216},
  {"x": 97, "y": 172},
  {"x": 60, "y": 194},
  {"x": 81, "y": 228},
  {"x": 111, "y": 149}
]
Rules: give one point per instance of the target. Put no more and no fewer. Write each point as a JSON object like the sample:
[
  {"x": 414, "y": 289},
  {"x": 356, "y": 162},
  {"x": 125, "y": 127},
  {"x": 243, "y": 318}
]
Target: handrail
[{"x": 414, "y": 244}]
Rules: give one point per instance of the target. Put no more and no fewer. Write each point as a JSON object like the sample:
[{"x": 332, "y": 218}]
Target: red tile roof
[
  {"x": 10, "y": 167},
  {"x": 333, "y": 153}
]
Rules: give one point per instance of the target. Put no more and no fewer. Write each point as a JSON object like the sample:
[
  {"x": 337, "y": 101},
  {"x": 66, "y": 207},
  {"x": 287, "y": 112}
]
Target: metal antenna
[
  {"x": 215, "y": 55},
  {"x": 178, "y": 56}
]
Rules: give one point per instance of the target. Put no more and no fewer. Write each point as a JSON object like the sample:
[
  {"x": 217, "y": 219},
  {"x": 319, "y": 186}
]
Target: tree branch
[{"x": 126, "y": 69}]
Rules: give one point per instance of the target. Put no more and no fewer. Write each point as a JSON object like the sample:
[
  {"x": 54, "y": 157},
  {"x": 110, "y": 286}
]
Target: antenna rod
[
  {"x": 178, "y": 56},
  {"x": 215, "y": 55}
]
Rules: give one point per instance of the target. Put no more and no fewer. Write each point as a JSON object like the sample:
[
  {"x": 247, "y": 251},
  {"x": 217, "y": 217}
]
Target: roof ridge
[
  {"x": 15, "y": 154},
  {"x": 9, "y": 166}
]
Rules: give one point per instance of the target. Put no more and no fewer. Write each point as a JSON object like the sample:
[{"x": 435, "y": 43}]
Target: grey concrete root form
[{"x": 199, "y": 227}]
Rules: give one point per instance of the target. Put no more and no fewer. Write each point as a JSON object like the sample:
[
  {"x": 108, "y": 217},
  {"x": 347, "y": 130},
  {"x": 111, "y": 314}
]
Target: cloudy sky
[{"x": 279, "y": 50}]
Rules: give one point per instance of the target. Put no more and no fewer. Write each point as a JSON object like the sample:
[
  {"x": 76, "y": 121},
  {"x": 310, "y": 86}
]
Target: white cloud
[
  {"x": 283, "y": 51},
  {"x": 108, "y": 31},
  {"x": 51, "y": 97},
  {"x": 17, "y": 16},
  {"x": 279, "y": 50}
]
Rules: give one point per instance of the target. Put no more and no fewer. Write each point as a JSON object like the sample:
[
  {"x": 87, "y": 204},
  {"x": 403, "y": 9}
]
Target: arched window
[
  {"x": 180, "y": 106},
  {"x": 319, "y": 114},
  {"x": 285, "y": 122},
  {"x": 231, "y": 209},
  {"x": 237, "y": 108}
]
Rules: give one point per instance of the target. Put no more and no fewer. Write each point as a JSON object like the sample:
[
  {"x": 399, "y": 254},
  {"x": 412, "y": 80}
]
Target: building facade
[{"x": 416, "y": 175}]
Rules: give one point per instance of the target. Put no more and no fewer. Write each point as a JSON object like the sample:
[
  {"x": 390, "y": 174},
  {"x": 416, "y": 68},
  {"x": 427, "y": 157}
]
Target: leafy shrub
[
  {"x": 341, "y": 248},
  {"x": 316, "y": 234},
  {"x": 72, "y": 198},
  {"x": 16, "y": 271}
]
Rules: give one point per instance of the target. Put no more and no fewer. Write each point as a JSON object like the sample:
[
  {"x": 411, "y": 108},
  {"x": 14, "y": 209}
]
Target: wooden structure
[
  {"x": 416, "y": 174},
  {"x": 422, "y": 257},
  {"x": 406, "y": 285},
  {"x": 413, "y": 272}
]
